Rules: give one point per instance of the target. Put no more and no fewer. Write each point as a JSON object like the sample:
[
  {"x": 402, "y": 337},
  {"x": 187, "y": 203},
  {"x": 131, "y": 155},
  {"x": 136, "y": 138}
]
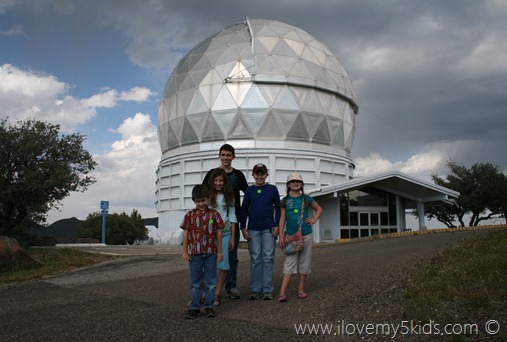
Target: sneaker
[
  {"x": 210, "y": 312},
  {"x": 254, "y": 296},
  {"x": 192, "y": 314},
  {"x": 268, "y": 296},
  {"x": 233, "y": 293}
]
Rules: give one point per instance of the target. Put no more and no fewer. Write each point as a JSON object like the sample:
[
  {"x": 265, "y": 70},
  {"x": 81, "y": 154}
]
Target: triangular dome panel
[
  {"x": 197, "y": 105},
  {"x": 238, "y": 91},
  {"x": 198, "y": 122},
  {"x": 239, "y": 129},
  {"x": 312, "y": 121},
  {"x": 212, "y": 131},
  {"x": 285, "y": 100},
  {"x": 321, "y": 134},
  {"x": 298, "y": 130},
  {"x": 270, "y": 128},
  {"x": 254, "y": 99},
  {"x": 188, "y": 135},
  {"x": 224, "y": 100},
  {"x": 224, "y": 119}
]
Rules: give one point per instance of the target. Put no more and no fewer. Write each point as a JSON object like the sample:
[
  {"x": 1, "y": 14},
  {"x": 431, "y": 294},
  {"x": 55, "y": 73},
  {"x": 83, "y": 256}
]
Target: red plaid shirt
[{"x": 202, "y": 230}]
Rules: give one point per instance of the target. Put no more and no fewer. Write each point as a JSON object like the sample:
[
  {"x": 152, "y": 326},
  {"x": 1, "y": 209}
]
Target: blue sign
[{"x": 104, "y": 205}]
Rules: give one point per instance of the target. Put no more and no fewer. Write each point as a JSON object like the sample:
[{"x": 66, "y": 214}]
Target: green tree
[
  {"x": 38, "y": 168},
  {"x": 482, "y": 189},
  {"x": 121, "y": 229}
]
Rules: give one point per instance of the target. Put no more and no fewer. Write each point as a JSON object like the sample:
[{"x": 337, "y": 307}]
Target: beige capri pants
[{"x": 300, "y": 262}]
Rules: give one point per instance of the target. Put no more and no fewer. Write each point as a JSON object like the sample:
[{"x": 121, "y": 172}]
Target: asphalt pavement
[{"x": 142, "y": 296}]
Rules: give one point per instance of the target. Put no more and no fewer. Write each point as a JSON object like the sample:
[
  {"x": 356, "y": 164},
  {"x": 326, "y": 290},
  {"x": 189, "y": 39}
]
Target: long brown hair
[{"x": 227, "y": 188}]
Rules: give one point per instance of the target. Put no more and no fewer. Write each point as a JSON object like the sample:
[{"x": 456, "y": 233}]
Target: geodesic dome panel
[{"x": 261, "y": 80}]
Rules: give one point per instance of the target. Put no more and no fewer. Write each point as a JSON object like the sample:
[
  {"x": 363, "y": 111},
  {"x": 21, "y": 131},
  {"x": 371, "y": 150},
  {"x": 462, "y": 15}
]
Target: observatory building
[{"x": 281, "y": 98}]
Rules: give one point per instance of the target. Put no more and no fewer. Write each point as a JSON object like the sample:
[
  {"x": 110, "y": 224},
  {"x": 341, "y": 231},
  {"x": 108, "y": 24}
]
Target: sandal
[
  {"x": 282, "y": 298},
  {"x": 302, "y": 295},
  {"x": 217, "y": 300}
]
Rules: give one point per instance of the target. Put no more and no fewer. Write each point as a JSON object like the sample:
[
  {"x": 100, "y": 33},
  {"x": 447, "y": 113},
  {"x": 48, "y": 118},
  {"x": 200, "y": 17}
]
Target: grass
[
  {"x": 466, "y": 281},
  {"x": 52, "y": 261}
]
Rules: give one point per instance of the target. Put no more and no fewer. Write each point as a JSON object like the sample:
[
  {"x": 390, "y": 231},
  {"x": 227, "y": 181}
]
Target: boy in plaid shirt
[{"x": 202, "y": 248}]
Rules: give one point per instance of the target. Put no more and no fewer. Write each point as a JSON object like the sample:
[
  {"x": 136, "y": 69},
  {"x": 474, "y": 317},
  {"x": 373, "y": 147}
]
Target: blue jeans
[
  {"x": 203, "y": 268},
  {"x": 262, "y": 248}
]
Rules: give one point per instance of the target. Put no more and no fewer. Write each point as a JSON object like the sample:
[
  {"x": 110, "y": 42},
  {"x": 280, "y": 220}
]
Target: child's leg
[
  {"x": 210, "y": 280},
  {"x": 196, "y": 275},
  {"x": 305, "y": 262},
  {"x": 254, "y": 248},
  {"x": 268, "y": 257},
  {"x": 222, "y": 275},
  {"x": 301, "y": 283},
  {"x": 285, "y": 284},
  {"x": 290, "y": 267}
]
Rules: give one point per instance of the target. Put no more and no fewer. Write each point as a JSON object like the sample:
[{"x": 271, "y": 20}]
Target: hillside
[{"x": 64, "y": 231}]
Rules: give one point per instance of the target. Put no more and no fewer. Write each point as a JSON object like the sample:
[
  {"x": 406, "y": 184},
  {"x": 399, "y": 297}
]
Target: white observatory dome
[
  {"x": 269, "y": 89},
  {"x": 262, "y": 80}
]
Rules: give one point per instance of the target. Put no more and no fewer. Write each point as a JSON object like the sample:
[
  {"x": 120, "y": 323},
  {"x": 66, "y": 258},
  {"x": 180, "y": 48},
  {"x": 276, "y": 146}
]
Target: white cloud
[
  {"x": 107, "y": 99},
  {"x": 26, "y": 94},
  {"x": 125, "y": 175},
  {"x": 110, "y": 97},
  {"x": 5, "y": 5},
  {"x": 419, "y": 165},
  {"x": 138, "y": 94},
  {"x": 13, "y": 32}
]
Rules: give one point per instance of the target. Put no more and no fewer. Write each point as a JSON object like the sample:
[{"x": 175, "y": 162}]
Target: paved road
[{"x": 143, "y": 297}]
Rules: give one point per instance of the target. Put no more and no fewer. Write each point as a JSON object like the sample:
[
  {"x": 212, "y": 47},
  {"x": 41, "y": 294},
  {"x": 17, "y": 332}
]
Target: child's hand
[
  {"x": 246, "y": 235},
  {"x": 309, "y": 221},
  {"x": 220, "y": 257},
  {"x": 280, "y": 240},
  {"x": 186, "y": 257},
  {"x": 231, "y": 245}
]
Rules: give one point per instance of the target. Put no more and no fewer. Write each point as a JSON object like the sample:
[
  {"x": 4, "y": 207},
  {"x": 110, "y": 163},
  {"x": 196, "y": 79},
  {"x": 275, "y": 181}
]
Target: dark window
[
  {"x": 384, "y": 219},
  {"x": 364, "y": 219},
  {"x": 354, "y": 220}
]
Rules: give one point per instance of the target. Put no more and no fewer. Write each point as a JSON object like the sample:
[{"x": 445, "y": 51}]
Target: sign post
[{"x": 104, "y": 205}]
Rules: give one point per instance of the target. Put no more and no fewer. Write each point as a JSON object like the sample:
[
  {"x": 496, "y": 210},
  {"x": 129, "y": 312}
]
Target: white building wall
[{"x": 178, "y": 174}]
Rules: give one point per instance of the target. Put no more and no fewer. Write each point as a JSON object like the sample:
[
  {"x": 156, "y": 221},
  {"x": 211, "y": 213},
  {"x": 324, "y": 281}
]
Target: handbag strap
[{"x": 301, "y": 216}]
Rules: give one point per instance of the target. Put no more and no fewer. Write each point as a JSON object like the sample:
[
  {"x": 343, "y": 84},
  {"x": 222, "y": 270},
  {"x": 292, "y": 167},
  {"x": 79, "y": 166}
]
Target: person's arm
[
  {"x": 281, "y": 226},
  {"x": 206, "y": 178},
  {"x": 245, "y": 209},
  {"x": 243, "y": 184},
  {"x": 233, "y": 235},
  {"x": 276, "y": 204},
  {"x": 318, "y": 211},
  {"x": 185, "y": 256},
  {"x": 220, "y": 255}
]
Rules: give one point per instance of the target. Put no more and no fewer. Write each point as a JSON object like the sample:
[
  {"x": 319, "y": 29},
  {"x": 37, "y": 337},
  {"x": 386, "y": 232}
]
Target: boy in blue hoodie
[{"x": 261, "y": 206}]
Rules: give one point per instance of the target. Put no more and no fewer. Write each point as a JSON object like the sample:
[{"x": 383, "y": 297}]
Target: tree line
[
  {"x": 39, "y": 167},
  {"x": 482, "y": 188}
]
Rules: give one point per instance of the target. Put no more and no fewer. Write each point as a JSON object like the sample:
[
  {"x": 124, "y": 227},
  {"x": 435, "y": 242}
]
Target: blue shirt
[
  {"x": 293, "y": 207},
  {"x": 261, "y": 205}
]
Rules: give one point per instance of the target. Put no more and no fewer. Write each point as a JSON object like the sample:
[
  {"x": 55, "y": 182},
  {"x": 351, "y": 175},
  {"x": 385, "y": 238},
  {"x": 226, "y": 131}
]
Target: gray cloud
[{"x": 430, "y": 75}]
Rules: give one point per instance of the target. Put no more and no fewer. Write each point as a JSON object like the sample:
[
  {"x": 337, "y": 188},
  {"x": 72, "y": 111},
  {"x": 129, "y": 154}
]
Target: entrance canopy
[{"x": 411, "y": 189}]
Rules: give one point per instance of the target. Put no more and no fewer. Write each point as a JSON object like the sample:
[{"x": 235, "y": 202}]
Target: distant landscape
[{"x": 64, "y": 230}]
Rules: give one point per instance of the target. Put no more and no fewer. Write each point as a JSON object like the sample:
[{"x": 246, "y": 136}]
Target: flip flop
[
  {"x": 302, "y": 295},
  {"x": 282, "y": 298}
]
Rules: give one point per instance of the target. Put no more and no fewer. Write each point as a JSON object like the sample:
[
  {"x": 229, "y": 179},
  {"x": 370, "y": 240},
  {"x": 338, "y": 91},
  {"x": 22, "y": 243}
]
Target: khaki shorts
[{"x": 300, "y": 262}]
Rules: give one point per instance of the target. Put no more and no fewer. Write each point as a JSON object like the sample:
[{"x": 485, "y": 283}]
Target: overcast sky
[{"x": 431, "y": 79}]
